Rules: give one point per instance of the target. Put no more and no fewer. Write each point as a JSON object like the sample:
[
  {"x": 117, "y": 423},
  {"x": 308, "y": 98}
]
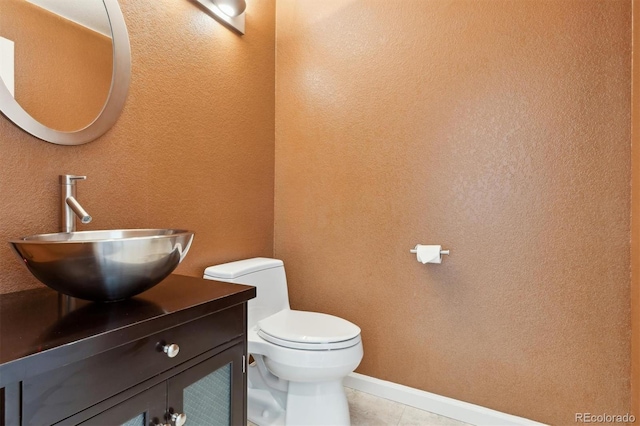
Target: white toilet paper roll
[{"x": 428, "y": 253}]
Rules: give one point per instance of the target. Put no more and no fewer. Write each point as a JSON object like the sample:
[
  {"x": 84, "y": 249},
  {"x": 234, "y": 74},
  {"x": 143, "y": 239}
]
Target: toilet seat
[
  {"x": 308, "y": 330},
  {"x": 310, "y": 346}
]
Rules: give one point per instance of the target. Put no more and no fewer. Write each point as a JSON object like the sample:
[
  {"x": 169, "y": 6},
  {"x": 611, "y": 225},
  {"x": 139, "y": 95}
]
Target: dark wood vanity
[{"x": 70, "y": 362}]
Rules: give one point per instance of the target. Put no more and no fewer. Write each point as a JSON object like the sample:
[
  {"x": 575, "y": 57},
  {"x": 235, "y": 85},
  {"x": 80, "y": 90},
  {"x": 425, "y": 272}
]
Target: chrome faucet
[{"x": 69, "y": 206}]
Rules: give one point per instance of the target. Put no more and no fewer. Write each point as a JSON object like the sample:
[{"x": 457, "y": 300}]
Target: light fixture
[{"x": 228, "y": 12}]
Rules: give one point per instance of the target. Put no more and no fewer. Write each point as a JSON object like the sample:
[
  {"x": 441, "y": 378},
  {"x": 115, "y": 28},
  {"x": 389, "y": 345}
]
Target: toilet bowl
[{"x": 299, "y": 358}]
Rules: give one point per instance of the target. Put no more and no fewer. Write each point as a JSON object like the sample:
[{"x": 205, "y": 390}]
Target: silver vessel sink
[{"x": 103, "y": 265}]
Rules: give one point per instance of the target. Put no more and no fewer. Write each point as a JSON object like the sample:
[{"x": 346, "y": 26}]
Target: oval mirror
[{"x": 65, "y": 67}]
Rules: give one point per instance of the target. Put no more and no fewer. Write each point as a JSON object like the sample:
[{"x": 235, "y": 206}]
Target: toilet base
[
  {"x": 317, "y": 404},
  {"x": 308, "y": 404},
  {"x": 263, "y": 409},
  {"x": 266, "y": 398}
]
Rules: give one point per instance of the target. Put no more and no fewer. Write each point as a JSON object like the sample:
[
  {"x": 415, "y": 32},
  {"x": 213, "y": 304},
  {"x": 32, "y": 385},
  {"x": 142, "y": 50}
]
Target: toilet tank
[{"x": 267, "y": 275}]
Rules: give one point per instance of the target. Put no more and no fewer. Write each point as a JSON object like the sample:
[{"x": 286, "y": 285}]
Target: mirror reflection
[{"x": 56, "y": 59}]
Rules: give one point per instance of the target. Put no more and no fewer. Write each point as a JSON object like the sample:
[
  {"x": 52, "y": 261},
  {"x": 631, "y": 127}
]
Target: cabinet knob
[
  {"x": 171, "y": 350},
  {"x": 179, "y": 419}
]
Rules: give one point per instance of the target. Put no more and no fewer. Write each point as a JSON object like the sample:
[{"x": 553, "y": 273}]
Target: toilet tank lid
[{"x": 242, "y": 267}]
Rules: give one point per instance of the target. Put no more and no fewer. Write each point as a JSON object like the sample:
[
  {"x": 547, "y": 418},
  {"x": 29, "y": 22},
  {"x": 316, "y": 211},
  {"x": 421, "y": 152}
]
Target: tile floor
[{"x": 369, "y": 410}]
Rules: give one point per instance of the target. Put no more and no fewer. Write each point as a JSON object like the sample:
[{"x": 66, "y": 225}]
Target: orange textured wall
[
  {"x": 499, "y": 129},
  {"x": 194, "y": 147},
  {"x": 62, "y": 80},
  {"x": 635, "y": 217}
]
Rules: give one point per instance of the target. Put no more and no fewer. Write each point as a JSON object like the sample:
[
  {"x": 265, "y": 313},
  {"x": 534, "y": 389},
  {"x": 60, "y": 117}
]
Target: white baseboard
[{"x": 448, "y": 407}]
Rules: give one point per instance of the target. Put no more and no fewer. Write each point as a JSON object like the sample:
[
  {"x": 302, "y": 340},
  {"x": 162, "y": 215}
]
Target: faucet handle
[{"x": 70, "y": 179}]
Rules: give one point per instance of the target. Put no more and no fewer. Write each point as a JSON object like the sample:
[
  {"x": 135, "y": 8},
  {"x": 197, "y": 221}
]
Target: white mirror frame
[{"x": 120, "y": 79}]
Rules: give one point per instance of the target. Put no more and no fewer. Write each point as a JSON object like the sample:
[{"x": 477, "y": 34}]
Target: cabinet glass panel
[
  {"x": 208, "y": 401},
  {"x": 136, "y": 421}
]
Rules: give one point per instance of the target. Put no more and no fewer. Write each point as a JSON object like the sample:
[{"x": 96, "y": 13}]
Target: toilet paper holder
[{"x": 442, "y": 252}]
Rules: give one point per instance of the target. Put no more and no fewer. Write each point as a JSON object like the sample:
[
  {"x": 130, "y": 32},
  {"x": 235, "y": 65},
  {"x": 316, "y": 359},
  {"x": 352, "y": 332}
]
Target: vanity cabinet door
[
  {"x": 211, "y": 393},
  {"x": 144, "y": 409}
]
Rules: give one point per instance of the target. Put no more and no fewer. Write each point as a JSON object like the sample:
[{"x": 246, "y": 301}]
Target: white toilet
[{"x": 300, "y": 357}]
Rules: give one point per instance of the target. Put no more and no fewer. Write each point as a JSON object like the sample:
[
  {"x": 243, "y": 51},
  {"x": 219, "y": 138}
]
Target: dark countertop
[{"x": 36, "y": 324}]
